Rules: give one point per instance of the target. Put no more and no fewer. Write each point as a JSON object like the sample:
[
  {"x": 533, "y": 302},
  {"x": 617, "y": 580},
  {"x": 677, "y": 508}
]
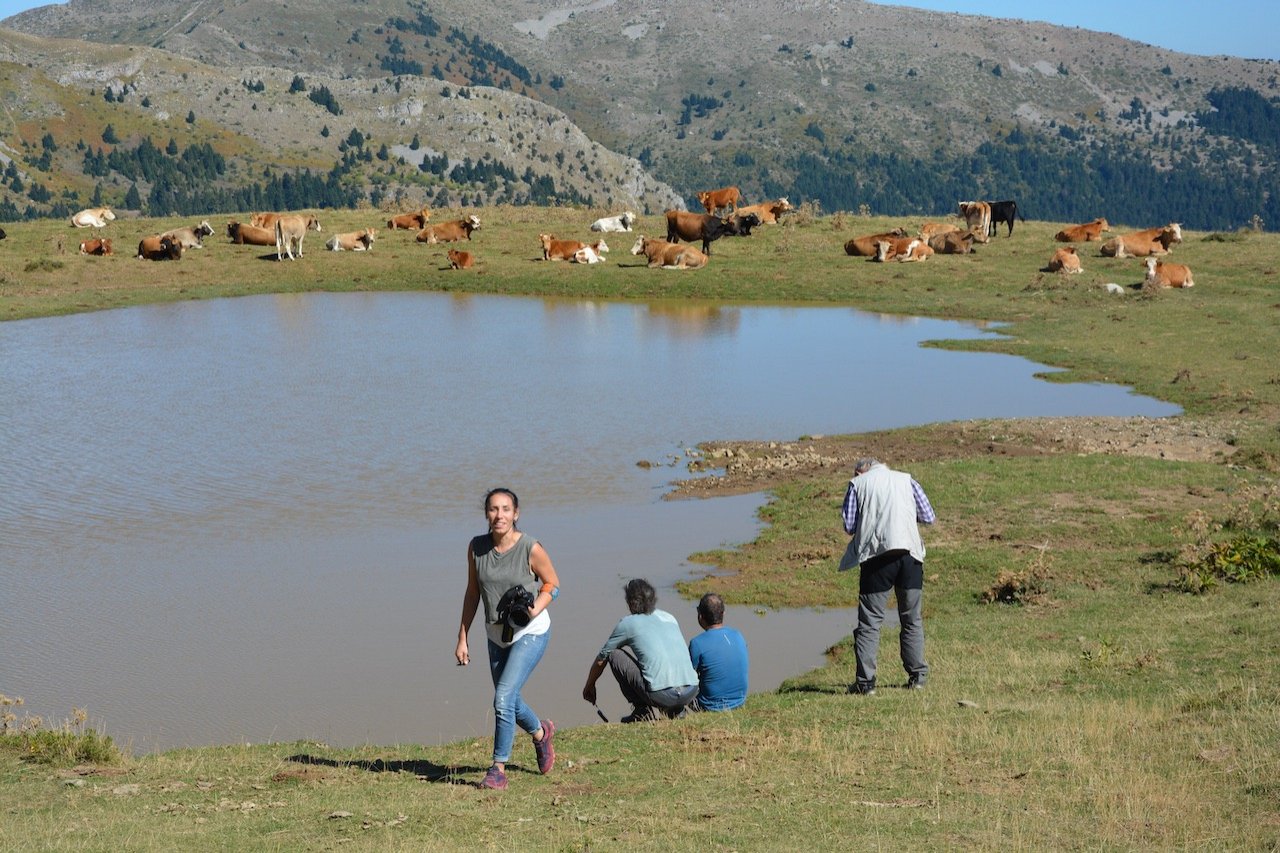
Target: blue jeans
[{"x": 511, "y": 668}]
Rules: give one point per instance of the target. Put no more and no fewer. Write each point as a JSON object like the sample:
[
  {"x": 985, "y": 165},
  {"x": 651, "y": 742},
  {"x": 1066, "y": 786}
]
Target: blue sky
[{"x": 1248, "y": 28}]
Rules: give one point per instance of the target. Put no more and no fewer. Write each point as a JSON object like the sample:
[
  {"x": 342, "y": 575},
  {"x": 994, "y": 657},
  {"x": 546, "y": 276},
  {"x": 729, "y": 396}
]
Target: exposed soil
[{"x": 751, "y": 466}]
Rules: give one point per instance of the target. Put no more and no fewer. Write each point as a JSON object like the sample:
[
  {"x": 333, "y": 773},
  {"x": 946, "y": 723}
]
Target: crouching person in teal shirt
[
  {"x": 719, "y": 655},
  {"x": 647, "y": 654}
]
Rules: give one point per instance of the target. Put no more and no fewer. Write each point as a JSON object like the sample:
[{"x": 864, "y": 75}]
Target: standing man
[
  {"x": 719, "y": 654},
  {"x": 882, "y": 509},
  {"x": 648, "y": 656}
]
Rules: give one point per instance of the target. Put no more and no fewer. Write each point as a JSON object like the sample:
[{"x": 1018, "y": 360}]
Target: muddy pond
[{"x": 245, "y": 520}]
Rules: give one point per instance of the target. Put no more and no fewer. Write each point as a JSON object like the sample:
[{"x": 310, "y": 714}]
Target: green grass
[{"x": 1112, "y": 711}]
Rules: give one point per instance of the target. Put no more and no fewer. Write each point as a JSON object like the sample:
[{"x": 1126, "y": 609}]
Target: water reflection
[{"x": 245, "y": 518}]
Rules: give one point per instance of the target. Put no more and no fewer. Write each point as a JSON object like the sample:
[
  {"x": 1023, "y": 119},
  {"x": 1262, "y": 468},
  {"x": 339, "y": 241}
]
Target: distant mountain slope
[{"x": 846, "y": 103}]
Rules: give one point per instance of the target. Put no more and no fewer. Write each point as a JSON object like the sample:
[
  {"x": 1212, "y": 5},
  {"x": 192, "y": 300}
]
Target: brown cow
[
  {"x": 415, "y": 221},
  {"x": 460, "y": 260},
  {"x": 449, "y": 232},
  {"x": 264, "y": 220},
  {"x": 865, "y": 246},
  {"x": 96, "y": 246},
  {"x": 352, "y": 241},
  {"x": 692, "y": 227},
  {"x": 1152, "y": 241},
  {"x": 768, "y": 211},
  {"x": 977, "y": 217},
  {"x": 952, "y": 243},
  {"x": 159, "y": 248},
  {"x": 559, "y": 250},
  {"x": 713, "y": 200},
  {"x": 1162, "y": 274},
  {"x": 1064, "y": 260},
  {"x": 1087, "y": 232},
  {"x": 669, "y": 256},
  {"x": 903, "y": 249},
  {"x": 250, "y": 235}
]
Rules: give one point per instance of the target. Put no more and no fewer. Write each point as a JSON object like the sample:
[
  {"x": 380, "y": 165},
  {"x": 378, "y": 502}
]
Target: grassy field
[{"x": 1103, "y": 708}]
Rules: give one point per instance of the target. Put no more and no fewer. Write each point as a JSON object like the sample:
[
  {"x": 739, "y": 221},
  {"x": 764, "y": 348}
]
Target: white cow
[
  {"x": 621, "y": 222},
  {"x": 592, "y": 254},
  {"x": 93, "y": 217}
]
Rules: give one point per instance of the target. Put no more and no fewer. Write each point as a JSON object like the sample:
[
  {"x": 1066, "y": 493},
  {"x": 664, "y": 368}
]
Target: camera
[{"x": 513, "y": 610}]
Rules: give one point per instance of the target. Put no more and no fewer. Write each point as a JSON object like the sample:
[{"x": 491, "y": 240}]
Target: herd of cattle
[{"x": 976, "y": 223}]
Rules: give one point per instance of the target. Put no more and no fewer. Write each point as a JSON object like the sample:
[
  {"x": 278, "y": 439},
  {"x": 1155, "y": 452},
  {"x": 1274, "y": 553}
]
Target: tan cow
[
  {"x": 1064, "y": 260},
  {"x": 713, "y": 200},
  {"x": 460, "y": 260},
  {"x": 449, "y": 232},
  {"x": 929, "y": 230},
  {"x": 96, "y": 246},
  {"x": 352, "y": 241},
  {"x": 159, "y": 248},
  {"x": 902, "y": 249},
  {"x": 415, "y": 221},
  {"x": 264, "y": 220},
  {"x": 93, "y": 217},
  {"x": 290, "y": 229},
  {"x": 1140, "y": 244},
  {"x": 250, "y": 235},
  {"x": 559, "y": 250},
  {"x": 952, "y": 243},
  {"x": 977, "y": 217},
  {"x": 669, "y": 256},
  {"x": 865, "y": 246},
  {"x": 1163, "y": 274},
  {"x": 1087, "y": 232},
  {"x": 768, "y": 211},
  {"x": 190, "y": 238}
]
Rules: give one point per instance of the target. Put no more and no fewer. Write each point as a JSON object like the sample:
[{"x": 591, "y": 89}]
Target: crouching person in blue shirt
[
  {"x": 647, "y": 654},
  {"x": 719, "y": 654}
]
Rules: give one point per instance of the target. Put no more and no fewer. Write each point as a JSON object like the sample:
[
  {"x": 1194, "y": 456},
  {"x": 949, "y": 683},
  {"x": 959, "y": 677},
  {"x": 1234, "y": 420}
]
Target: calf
[
  {"x": 460, "y": 260},
  {"x": 352, "y": 241},
  {"x": 415, "y": 221},
  {"x": 865, "y": 246},
  {"x": 726, "y": 197},
  {"x": 593, "y": 254},
  {"x": 96, "y": 246},
  {"x": 669, "y": 256},
  {"x": 1064, "y": 260},
  {"x": 159, "y": 248},
  {"x": 449, "y": 232},
  {"x": 768, "y": 211},
  {"x": 1087, "y": 232},
  {"x": 1162, "y": 274},
  {"x": 621, "y": 222},
  {"x": 744, "y": 222},
  {"x": 903, "y": 249},
  {"x": 290, "y": 229},
  {"x": 250, "y": 235},
  {"x": 559, "y": 250},
  {"x": 929, "y": 230},
  {"x": 190, "y": 238},
  {"x": 692, "y": 227}
]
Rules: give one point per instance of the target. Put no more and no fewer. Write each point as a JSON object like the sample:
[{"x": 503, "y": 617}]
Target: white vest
[{"x": 886, "y": 515}]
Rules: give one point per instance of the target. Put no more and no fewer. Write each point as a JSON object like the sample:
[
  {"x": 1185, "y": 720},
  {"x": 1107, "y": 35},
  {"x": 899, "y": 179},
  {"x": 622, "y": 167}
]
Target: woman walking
[{"x": 497, "y": 562}]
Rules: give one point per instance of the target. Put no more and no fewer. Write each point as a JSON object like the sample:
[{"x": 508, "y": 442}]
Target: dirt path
[{"x": 754, "y": 466}]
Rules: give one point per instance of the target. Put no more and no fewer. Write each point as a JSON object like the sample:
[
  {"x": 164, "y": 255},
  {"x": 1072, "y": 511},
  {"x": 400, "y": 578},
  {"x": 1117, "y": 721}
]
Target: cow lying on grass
[
  {"x": 669, "y": 256},
  {"x": 1064, "y": 260}
]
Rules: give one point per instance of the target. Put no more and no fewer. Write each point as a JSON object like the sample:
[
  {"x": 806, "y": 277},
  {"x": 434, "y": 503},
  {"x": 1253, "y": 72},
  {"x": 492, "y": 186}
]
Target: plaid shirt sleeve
[
  {"x": 850, "y": 510},
  {"x": 924, "y": 510}
]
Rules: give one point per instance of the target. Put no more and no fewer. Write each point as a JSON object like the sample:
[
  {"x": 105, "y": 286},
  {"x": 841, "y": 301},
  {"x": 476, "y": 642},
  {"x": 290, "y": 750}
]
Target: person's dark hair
[
  {"x": 711, "y": 609},
  {"x": 641, "y": 596}
]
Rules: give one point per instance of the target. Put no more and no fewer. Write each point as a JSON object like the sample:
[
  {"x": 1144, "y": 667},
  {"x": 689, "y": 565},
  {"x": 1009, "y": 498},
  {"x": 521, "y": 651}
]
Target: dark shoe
[
  {"x": 639, "y": 715},
  {"x": 915, "y": 683},
  {"x": 495, "y": 779},
  {"x": 545, "y": 749},
  {"x": 862, "y": 689}
]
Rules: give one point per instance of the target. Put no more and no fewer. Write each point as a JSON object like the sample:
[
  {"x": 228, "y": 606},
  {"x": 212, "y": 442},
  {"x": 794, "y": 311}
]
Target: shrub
[
  {"x": 70, "y": 743},
  {"x": 1251, "y": 553}
]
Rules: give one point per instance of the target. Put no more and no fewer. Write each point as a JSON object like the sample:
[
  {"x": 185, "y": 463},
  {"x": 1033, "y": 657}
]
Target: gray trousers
[
  {"x": 903, "y": 575},
  {"x": 626, "y": 669}
]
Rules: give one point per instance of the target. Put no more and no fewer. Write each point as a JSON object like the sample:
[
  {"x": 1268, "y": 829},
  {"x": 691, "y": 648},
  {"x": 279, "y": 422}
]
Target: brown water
[{"x": 245, "y": 520}]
